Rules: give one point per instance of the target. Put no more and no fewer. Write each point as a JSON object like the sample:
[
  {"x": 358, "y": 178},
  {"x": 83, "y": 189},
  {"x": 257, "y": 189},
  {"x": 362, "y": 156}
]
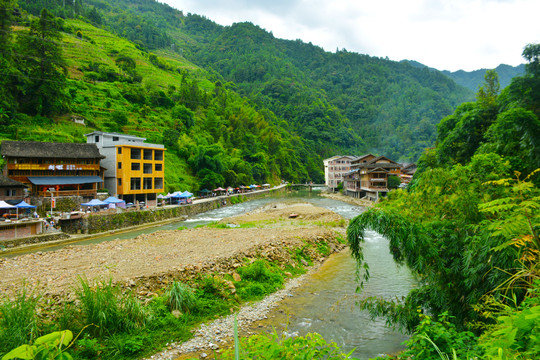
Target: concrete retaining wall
[
  {"x": 33, "y": 240},
  {"x": 97, "y": 223}
]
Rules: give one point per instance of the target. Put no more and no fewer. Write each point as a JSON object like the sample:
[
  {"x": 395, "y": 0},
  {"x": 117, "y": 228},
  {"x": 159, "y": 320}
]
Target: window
[
  {"x": 136, "y": 154},
  {"x": 135, "y": 166},
  {"x": 147, "y": 183},
  {"x": 147, "y": 154},
  {"x": 159, "y": 167},
  {"x": 135, "y": 183},
  {"x": 96, "y": 138},
  {"x": 10, "y": 192},
  {"x": 158, "y": 183},
  {"x": 158, "y": 156},
  {"x": 119, "y": 165},
  {"x": 147, "y": 168},
  {"x": 119, "y": 182},
  {"x": 115, "y": 138},
  {"x": 119, "y": 150}
]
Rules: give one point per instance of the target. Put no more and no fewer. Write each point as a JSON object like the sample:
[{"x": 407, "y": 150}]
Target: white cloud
[{"x": 445, "y": 34}]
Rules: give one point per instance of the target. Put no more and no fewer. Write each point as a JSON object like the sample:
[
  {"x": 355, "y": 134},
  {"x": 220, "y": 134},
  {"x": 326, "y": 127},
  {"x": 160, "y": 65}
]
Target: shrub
[
  {"x": 274, "y": 346},
  {"x": 180, "y": 297}
]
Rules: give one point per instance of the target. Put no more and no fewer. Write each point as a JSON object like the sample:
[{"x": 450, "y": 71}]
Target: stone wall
[
  {"x": 97, "y": 223},
  {"x": 11, "y": 243}
]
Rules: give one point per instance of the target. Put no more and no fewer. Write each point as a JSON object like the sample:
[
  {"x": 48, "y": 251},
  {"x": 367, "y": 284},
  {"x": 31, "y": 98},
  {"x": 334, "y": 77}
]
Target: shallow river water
[{"x": 326, "y": 302}]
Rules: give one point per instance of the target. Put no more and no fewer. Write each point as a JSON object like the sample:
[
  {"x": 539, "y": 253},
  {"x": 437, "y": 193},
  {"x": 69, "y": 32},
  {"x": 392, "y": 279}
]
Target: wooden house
[
  {"x": 11, "y": 190},
  {"x": 57, "y": 169},
  {"x": 369, "y": 176}
]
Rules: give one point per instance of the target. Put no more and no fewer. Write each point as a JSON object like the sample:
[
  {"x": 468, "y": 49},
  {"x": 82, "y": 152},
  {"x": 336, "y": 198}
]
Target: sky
[{"x": 444, "y": 34}]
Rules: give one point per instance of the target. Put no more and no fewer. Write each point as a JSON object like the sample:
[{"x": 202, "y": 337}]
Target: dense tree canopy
[{"x": 469, "y": 228}]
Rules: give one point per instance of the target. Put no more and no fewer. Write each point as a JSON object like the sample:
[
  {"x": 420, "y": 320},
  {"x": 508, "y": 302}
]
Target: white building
[
  {"x": 334, "y": 169},
  {"x": 134, "y": 170}
]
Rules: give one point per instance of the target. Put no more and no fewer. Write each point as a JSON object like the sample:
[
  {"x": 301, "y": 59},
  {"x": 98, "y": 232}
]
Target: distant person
[{"x": 36, "y": 215}]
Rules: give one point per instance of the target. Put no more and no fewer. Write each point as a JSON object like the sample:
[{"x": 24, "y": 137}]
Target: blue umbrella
[
  {"x": 95, "y": 202},
  {"x": 113, "y": 200},
  {"x": 24, "y": 205}
]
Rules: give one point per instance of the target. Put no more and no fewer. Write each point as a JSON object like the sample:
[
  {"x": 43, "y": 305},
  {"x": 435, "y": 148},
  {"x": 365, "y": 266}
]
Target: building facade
[
  {"x": 334, "y": 169},
  {"x": 368, "y": 177},
  {"x": 57, "y": 169},
  {"x": 11, "y": 190},
  {"x": 134, "y": 170}
]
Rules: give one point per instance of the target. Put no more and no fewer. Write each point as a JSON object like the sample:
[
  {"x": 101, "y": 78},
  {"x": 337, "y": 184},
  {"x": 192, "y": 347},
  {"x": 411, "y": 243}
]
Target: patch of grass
[
  {"x": 258, "y": 279},
  {"x": 110, "y": 311},
  {"x": 180, "y": 297},
  {"x": 18, "y": 319}
]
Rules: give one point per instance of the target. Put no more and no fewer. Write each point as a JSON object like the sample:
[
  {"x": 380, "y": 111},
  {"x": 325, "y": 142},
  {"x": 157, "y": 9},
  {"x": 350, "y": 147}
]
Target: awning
[{"x": 63, "y": 180}]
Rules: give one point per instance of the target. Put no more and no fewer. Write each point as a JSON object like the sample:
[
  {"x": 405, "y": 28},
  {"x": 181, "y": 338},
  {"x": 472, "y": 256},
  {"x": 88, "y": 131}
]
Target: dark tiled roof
[
  {"x": 7, "y": 182},
  {"x": 34, "y": 149}
]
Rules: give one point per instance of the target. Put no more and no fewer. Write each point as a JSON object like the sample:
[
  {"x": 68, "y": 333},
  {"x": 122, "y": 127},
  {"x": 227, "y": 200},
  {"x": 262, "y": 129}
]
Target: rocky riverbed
[{"x": 150, "y": 262}]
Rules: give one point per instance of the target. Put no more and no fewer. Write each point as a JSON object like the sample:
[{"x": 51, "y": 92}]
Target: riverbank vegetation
[
  {"x": 140, "y": 316},
  {"x": 113, "y": 322},
  {"x": 468, "y": 227}
]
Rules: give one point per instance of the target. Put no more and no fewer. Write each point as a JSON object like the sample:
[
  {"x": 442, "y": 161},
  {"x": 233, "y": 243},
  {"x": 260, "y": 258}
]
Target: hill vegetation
[
  {"x": 468, "y": 226},
  {"x": 233, "y": 105}
]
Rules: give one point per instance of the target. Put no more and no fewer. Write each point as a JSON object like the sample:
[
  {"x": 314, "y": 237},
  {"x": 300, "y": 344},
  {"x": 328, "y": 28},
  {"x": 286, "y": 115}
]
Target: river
[{"x": 326, "y": 302}]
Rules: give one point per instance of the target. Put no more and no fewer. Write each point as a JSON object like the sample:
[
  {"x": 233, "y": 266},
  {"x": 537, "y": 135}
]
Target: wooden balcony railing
[{"x": 87, "y": 193}]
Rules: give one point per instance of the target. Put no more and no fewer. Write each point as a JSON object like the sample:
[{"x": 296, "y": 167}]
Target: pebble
[{"x": 207, "y": 336}]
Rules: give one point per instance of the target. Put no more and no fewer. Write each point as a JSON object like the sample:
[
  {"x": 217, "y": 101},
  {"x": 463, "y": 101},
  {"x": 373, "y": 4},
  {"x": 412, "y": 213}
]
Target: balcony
[{"x": 85, "y": 193}]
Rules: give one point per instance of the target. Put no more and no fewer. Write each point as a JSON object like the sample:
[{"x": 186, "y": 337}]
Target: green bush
[
  {"x": 180, "y": 297},
  {"x": 258, "y": 279},
  {"x": 273, "y": 346},
  {"x": 433, "y": 337}
]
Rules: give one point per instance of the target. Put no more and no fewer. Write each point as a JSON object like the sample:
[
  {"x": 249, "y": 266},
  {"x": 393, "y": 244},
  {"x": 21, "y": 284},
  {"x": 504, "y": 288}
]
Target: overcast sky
[{"x": 444, "y": 34}]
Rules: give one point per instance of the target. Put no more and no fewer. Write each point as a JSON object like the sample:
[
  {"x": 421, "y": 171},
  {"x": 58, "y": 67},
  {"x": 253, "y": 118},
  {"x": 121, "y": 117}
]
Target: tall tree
[
  {"x": 7, "y": 69},
  {"x": 44, "y": 66}
]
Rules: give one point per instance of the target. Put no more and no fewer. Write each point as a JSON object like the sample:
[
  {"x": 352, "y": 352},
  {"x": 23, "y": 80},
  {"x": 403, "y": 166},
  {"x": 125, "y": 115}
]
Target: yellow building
[{"x": 134, "y": 170}]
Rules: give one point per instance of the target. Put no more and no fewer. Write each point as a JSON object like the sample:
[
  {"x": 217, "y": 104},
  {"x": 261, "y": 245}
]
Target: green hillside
[{"x": 233, "y": 105}]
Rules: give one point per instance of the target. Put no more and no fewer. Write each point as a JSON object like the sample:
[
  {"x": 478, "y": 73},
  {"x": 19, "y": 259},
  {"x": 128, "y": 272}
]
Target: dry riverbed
[{"x": 150, "y": 262}]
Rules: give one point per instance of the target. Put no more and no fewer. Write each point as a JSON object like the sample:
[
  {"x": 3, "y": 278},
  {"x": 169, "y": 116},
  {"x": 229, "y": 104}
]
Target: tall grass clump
[
  {"x": 180, "y": 297},
  {"x": 110, "y": 311},
  {"x": 18, "y": 320}
]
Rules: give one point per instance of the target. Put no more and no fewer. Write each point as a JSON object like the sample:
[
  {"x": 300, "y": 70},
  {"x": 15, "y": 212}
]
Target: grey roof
[
  {"x": 64, "y": 180},
  {"x": 34, "y": 149},
  {"x": 7, "y": 182}
]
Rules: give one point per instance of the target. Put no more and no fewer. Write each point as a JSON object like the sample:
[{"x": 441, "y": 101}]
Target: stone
[
  {"x": 176, "y": 313},
  {"x": 236, "y": 276}
]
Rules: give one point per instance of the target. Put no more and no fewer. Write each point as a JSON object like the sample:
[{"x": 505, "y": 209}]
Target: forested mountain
[
  {"x": 232, "y": 104},
  {"x": 472, "y": 80}
]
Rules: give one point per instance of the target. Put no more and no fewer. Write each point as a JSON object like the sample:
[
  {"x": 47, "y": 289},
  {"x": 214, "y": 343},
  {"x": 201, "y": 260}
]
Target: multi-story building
[
  {"x": 369, "y": 176},
  {"x": 134, "y": 170},
  {"x": 334, "y": 169},
  {"x": 57, "y": 169}
]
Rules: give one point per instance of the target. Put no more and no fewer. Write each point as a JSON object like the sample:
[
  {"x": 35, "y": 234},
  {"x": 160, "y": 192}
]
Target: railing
[
  {"x": 87, "y": 193},
  {"x": 53, "y": 167}
]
